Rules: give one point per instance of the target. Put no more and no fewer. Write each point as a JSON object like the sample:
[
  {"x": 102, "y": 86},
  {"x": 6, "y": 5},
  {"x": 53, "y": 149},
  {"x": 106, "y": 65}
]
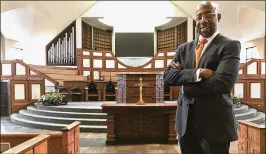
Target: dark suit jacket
[{"x": 213, "y": 113}]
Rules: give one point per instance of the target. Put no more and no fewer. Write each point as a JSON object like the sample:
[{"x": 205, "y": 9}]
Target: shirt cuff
[{"x": 196, "y": 76}]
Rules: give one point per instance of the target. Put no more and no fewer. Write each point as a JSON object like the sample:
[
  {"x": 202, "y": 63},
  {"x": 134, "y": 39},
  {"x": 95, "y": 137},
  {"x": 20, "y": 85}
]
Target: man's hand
[
  {"x": 176, "y": 65},
  {"x": 206, "y": 73}
]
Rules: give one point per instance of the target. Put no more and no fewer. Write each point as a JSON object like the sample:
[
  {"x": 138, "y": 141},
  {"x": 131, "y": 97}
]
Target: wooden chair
[
  {"x": 109, "y": 90},
  {"x": 168, "y": 92},
  {"x": 76, "y": 94},
  {"x": 92, "y": 90}
]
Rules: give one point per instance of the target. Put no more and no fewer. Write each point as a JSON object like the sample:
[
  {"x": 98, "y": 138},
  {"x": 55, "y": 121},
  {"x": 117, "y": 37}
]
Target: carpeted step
[
  {"x": 241, "y": 109},
  {"x": 246, "y": 115},
  {"x": 60, "y": 120},
  {"x": 69, "y": 108},
  {"x": 33, "y": 110},
  {"x": 53, "y": 126},
  {"x": 259, "y": 118}
]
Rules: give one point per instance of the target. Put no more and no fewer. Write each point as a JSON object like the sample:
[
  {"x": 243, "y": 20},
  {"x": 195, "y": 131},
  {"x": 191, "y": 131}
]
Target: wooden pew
[
  {"x": 35, "y": 145},
  {"x": 251, "y": 138},
  {"x": 65, "y": 141}
]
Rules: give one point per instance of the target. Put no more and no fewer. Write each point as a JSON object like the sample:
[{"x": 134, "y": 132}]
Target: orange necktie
[{"x": 199, "y": 49}]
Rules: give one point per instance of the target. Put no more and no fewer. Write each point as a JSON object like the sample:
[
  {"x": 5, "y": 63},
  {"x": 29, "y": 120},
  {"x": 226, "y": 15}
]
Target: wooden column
[
  {"x": 111, "y": 129},
  {"x": 70, "y": 138}
]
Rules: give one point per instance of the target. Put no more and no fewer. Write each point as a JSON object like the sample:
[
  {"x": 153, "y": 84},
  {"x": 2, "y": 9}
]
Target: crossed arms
[{"x": 219, "y": 82}]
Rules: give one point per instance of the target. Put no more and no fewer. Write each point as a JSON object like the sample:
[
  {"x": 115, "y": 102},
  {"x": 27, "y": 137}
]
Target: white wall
[
  {"x": 2, "y": 47},
  {"x": 13, "y": 50},
  {"x": 258, "y": 53},
  {"x": 190, "y": 29}
]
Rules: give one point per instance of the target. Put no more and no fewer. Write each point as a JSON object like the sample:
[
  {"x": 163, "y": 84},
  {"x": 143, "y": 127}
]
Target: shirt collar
[{"x": 209, "y": 39}]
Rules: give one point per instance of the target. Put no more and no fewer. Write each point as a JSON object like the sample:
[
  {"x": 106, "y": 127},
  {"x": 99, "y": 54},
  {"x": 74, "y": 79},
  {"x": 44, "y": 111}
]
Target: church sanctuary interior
[{"x": 87, "y": 76}]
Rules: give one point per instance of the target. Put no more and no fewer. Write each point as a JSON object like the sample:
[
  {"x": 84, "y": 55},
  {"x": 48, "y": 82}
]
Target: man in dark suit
[{"x": 207, "y": 69}]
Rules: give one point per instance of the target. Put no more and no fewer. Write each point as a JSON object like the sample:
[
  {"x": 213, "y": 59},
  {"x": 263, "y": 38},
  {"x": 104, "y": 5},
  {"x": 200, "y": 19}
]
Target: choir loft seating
[
  {"x": 76, "y": 94},
  {"x": 92, "y": 92},
  {"x": 72, "y": 94},
  {"x": 109, "y": 91}
]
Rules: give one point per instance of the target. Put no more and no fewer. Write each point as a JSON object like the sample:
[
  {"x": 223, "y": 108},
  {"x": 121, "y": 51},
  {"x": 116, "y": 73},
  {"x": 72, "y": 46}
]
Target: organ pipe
[{"x": 62, "y": 50}]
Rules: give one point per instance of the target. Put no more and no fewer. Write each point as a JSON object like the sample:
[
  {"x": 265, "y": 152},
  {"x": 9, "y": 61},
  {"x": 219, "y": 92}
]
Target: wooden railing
[
  {"x": 251, "y": 138},
  {"x": 35, "y": 145},
  {"x": 63, "y": 142},
  {"x": 26, "y": 84},
  {"x": 249, "y": 86},
  {"x": 92, "y": 62}
]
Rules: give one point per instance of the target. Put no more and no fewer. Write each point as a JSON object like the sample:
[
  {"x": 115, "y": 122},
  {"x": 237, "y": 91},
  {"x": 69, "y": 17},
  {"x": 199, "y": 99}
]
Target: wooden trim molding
[{"x": 261, "y": 82}]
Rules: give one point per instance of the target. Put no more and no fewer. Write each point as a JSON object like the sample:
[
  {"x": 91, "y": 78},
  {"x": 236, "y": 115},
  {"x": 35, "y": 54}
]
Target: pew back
[
  {"x": 35, "y": 145},
  {"x": 65, "y": 141}
]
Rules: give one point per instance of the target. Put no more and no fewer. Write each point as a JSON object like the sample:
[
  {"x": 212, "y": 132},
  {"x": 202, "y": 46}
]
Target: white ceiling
[
  {"x": 45, "y": 16},
  {"x": 240, "y": 19}
]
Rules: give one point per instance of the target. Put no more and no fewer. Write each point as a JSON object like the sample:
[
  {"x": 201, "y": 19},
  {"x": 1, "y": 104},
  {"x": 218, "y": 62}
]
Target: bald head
[
  {"x": 208, "y": 4},
  {"x": 207, "y": 18}
]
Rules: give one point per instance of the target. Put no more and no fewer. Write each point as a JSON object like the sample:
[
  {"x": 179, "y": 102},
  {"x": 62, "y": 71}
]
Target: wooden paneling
[
  {"x": 42, "y": 89},
  {"x": 166, "y": 39},
  {"x": 18, "y": 104},
  {"x": 95, "y": 38},
  {"x": 102, "y": 39},
  {"x": 131, "y": 123},
  {"x": 60, "y": 143},
  {"x": 171, "y": 38},
  {"x": 86, "y": 36},
  {"x": 34, "y": 145},
  {"x": 247, "y": 80},
  {"x": 181, "y": 35},
  {"x": 105, "y": 72},
  {"x": 261, "y": 83},
  {"x": 251, "y": 138},
  {"x": 27, "y": 80}
]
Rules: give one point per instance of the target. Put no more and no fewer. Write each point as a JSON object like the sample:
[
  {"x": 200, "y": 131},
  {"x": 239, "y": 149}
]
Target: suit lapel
[{"x": 209, "y": 49}]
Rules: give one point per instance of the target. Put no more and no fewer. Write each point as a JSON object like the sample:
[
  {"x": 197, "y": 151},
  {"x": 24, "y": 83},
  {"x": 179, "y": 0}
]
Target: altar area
[
  {"x": 132, "y": 123},
  {"x": 140, "y": 114}
]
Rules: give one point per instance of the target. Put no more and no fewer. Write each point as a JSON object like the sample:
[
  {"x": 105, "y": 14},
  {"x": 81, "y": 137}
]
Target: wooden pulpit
[{"x": 128, "y": 87}]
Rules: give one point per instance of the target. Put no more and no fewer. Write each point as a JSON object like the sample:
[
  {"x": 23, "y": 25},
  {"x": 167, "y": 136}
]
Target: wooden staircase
[{"x": 60, "y": 74}]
